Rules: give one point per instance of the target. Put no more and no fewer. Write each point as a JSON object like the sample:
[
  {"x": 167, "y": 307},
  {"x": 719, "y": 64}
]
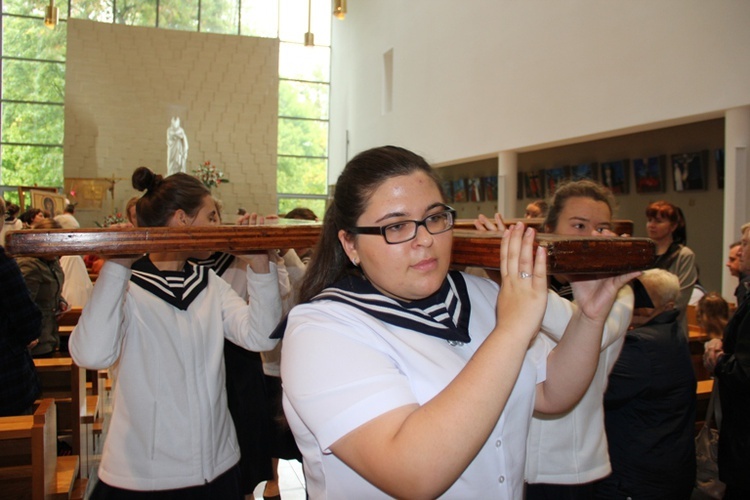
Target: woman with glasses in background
[{"x": 404, "y": 378}]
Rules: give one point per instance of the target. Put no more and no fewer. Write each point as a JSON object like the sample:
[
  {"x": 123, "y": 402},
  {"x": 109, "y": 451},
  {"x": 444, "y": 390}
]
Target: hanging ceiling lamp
[
  {"x": 51, "y": 14},
  {"x": 339, "y": 9},
  {"x": 309, "y": 36}
]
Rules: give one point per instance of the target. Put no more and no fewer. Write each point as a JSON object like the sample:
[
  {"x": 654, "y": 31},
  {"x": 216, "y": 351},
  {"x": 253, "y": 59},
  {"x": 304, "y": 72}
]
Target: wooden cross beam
[{"x": 569, "y": 254}]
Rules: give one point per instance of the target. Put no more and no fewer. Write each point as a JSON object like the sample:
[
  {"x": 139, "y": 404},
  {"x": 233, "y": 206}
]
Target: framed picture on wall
[
  {"x": 719, "y": 159},
  {"x": 650, "y": 174},
  {"x": 448, "y": 191},
  {"x": 474, "y": 186},
  {"x": 459, "y": 191},
  {"x": 534, "y": 183},
  {"x": 584, "y": 171},
  {"x": 553, "y": 177},
  {"x": 489, "y": 186},
  {"x": 616, "y": 176},
  {"x": 52, "y": 203},
  {"x": 689, "y": 171}
]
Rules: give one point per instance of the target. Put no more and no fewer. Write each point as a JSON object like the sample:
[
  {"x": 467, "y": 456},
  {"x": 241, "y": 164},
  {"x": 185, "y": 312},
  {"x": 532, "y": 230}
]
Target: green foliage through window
[{"x": 33, "y": 81}]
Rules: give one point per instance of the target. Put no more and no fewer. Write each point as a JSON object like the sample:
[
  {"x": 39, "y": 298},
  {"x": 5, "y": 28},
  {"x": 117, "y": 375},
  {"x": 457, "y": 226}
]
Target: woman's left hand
[
  {"x": 258, "y": 261},
  {"x": 595, "y": 295},
  {"x": 523, "y": 294}
]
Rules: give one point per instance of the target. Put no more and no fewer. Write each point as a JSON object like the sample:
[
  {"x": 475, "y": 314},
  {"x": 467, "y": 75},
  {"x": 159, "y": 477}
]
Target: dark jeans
[{"x": 226, "y": 486}]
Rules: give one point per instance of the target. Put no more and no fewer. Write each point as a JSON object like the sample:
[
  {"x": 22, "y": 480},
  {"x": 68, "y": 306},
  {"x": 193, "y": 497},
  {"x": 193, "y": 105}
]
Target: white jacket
[
  {"x": 572, "y": 448},
  {"x": 170, "y": 425}
]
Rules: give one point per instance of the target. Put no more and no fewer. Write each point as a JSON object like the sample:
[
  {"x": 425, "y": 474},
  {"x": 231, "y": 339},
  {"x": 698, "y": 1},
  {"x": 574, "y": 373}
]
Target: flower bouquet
[
  {"x": 209, "y": 175},
  {"x": 114, "y": 219}
]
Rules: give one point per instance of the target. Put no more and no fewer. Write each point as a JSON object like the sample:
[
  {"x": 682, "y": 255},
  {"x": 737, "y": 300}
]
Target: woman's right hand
[{"x": 523, "y": 296}]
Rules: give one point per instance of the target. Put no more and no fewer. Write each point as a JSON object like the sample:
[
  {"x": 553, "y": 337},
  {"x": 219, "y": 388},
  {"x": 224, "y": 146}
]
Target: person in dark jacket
[
  {"x": 730, "y": 362},
  {"x": 20, "y": 323},
  {"x": 44, "y": 278},
  {"x": 649, "y": 404}
]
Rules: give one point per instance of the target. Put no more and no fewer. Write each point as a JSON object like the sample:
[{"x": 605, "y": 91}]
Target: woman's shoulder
[
  {"x": 685, "y": 251},
  {"x": 685, "y": 256},
  {"x": 28, "y": 264}
]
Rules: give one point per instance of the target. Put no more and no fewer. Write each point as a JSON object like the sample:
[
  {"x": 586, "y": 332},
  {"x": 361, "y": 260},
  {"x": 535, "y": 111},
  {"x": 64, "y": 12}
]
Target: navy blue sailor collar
[
  {"x": 218, "y": 261},
  {"x": 178, "y": 288},
  {"x": 444, "y": 314}
]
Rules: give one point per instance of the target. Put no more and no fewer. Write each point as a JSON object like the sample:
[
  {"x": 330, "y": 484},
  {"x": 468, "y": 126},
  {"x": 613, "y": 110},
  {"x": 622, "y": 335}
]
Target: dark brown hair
[
  {"x": 360, "y": 179},
  {"x": 28, "y": 216},
  {"x": 301, "y": 213},
  {"x": 673, "y": 213},
  {"x": 47, "y": 224},
  {"x": 712, "y": 314},
  {"x": 11, "y": 209},
  {"x": 165, "y": 195}
]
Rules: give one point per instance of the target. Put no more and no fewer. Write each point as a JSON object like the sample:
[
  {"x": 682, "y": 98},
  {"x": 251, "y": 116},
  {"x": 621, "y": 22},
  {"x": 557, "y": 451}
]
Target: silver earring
[{"x": 354, "y": 261}]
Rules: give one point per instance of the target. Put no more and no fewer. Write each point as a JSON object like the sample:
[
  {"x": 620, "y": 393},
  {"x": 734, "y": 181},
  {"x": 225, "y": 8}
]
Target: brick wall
[{"x": 123, "y": 86}]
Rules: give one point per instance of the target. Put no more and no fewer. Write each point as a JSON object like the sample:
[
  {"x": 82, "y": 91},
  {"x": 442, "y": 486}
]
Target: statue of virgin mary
[{"x": 177, "y": 148}]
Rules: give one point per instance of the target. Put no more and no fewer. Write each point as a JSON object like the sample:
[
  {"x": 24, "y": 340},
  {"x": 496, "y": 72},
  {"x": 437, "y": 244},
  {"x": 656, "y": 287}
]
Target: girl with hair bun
[{"x": 161, "y": 321}]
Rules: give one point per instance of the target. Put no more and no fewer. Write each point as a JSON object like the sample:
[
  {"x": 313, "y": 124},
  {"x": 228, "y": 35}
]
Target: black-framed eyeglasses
[{"x": 406, "y": 230}]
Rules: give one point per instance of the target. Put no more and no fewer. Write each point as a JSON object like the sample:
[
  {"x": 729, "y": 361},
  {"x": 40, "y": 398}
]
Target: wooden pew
[
  {"x": 29, "y": 465},
  {"x": 703, "y": 394},
  {"x": 65, "y": 382},
  {"x": 65, "y": 325},
  {"x": 691, "y": 316},
  {"x": 70, "y": 317}
]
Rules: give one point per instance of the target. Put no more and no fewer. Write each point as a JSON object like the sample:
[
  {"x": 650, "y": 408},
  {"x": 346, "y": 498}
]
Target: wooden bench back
[
  {"x": 65, "y": 382},
  {"x": 28, "y": 453},
  {"x": 70, "y": 317}
]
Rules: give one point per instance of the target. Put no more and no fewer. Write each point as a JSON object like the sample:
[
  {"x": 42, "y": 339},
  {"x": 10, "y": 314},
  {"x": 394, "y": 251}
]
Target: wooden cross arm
[
  {"x": 134, "y": 241},
  {"x": 570, "y": 254},
  {"x": 619, "y": 226},
  {"x": 565, "y": 254}
]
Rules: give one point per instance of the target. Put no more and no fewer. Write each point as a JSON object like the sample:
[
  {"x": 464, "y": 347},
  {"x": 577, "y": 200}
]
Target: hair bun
[{"x": 144, "y": 179}]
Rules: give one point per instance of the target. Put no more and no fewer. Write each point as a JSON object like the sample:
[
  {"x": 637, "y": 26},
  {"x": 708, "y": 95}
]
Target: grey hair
[{"x": 662, "y": 286}]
